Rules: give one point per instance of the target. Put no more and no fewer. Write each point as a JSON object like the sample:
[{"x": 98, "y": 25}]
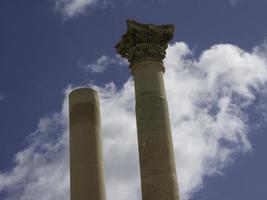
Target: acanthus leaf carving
[{"x": 145, "y": 42}]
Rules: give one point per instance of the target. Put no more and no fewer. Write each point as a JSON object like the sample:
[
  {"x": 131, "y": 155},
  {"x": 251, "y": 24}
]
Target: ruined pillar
[
  {"x": 144, "y": 46},
  {"x": 86, "y": 163}
]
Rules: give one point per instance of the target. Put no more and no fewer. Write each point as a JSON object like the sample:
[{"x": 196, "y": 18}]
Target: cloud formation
[
  {"x": 102, "y": 63},
  {"x": 207, "y": 97},
  {"x": 71, "y": 8}
]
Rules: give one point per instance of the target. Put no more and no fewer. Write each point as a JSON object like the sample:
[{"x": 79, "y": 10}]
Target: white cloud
[
  {"x": 261, "y": 50},
  {"x": 40, "y": 170},
  {"x": 71, "y": 8},
  {"x": 207, "y": 97},
  {"x": 103, "y": 62}
]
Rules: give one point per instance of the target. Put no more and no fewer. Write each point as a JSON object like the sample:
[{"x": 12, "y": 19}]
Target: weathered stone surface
[
  {"x": 144, "y": 46},
  {"x": 144, "y": 42},
  {"x": 86, "y": 163}
]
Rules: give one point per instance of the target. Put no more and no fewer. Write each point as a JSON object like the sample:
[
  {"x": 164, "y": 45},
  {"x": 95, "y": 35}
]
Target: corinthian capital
[{"x": 145, "y": 42}]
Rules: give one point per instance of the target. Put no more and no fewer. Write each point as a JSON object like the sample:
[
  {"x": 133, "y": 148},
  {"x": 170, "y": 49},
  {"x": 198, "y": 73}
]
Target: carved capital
[{"x": 145, "y": 42}]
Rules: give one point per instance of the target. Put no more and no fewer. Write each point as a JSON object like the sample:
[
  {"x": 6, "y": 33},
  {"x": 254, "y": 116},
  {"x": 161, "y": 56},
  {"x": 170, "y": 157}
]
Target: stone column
[
  {"x": 144, "y": 46},
  {"x": 86, "y": 163}
]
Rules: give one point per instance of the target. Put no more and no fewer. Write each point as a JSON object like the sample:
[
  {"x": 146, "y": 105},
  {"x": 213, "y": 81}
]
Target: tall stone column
[
  {"x": 86, "y": 163},
  {"x": 144, "y": 46}
]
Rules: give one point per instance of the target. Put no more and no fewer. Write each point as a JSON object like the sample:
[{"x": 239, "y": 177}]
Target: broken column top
[{"x": 145, "y": 42}]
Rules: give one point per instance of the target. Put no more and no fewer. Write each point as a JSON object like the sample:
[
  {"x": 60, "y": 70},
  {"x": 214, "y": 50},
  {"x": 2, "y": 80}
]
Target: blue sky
[{"x": 216, "y": 76}]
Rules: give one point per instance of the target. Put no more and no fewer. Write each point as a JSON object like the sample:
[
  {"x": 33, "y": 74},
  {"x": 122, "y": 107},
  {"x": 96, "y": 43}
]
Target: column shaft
[
  {"x": 86, "y": 163},
  {"x": 157, "y": 164}
]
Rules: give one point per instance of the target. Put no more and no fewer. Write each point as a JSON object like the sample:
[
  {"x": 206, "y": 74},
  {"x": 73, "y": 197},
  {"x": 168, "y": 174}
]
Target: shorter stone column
[{"x": 86, "y": 163}]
